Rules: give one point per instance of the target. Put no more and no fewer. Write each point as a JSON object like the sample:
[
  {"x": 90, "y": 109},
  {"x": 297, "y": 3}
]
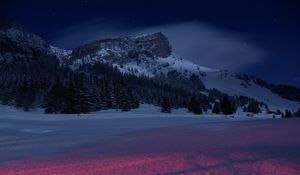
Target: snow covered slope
[
  {"x": 150, "y": 55},
  {"x": 229, "y": 83},
  {"x": 145, "y": 55}
]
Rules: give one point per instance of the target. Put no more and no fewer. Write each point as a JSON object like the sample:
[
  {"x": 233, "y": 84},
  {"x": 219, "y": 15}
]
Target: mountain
[
  {"x": 18, "y": 43},
  {"x": 142, "y": 64},
  {"x": 139, "y": 56}
]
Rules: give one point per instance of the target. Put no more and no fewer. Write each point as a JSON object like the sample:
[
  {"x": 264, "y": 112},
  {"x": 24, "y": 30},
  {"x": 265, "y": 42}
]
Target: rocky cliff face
[
  {"x": 17, "y": 43},
  {"x": 152, "y": 45},
  {"x": 123, "y": 49},
  {"x": 157, "y": 44}
]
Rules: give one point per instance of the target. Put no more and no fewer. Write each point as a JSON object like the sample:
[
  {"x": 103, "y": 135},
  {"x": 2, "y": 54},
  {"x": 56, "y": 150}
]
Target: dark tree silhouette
[
  {"x": 227, "y": 107},
  {"x": 195, "y": 106},
  {"x": 288, "y": 114},
  {"x": 216, "y": 108},
  {"x": 54, "y": 100},
  {"x": 253, "y": 107},
  {"x": 165, "y": 106}
]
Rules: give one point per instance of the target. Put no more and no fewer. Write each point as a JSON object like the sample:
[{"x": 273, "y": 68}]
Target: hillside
[{"x": 121, "y": 73}]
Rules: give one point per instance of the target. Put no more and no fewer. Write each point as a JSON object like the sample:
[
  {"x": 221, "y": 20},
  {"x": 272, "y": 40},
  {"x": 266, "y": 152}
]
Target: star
[{"x": 85, "y": 1}]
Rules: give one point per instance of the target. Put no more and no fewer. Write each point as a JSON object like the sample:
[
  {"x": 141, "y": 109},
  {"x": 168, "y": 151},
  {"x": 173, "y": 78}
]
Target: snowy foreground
[{"x": 144, "y": 141}]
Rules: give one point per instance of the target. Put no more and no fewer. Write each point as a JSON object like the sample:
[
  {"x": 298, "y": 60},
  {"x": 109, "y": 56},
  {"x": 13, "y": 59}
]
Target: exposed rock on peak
[
  {"x": 17, "y": 42},
  {"x": 157, "y": 43},
  {"x": 152, "y": 45},
  {"x": 144, "y": 55}
]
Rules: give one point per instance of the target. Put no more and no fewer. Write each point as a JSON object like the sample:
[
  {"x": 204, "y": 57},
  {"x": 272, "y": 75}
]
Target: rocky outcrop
[
  {"x": 157, "y": 43},
  {"x": 18, "y": 43},
  {"x": 125, "y": 49}
]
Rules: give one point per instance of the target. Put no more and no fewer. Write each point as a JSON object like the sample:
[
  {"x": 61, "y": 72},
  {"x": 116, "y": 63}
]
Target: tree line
[{"x": 41, "y": 82}]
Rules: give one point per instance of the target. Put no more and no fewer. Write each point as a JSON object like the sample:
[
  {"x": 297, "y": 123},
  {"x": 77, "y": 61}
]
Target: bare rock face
[
  {"x": 157, "y": 43},
  {"x": 16, "y": 42},
  {"x": 124, "y": 49}
]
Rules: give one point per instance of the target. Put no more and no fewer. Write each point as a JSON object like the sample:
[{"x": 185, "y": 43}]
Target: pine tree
[
  {"x": 227, "y": 107},
  {"x": 96, "y": 99},
  {"x": 253, "y": 107},
  {"x": 216, "y": 108},
  {"x": 105, "y": 96},
  {"x": 25, "y": 96},
  {"x": 134, "y": 102},
  {"x": 21, "y": 93},
  {"x": 84, "y": 102},
  {"x": 288, "y": 114},
  {"x": 118, "y": 98},
  {"x": 128, "y": 101},
  {"x": 9, "y": 96},
  {"x": 165, "y": 106},
  {"x": 29, "y": 97},
  {"x": 69, "y": 106},
  {"x": 54, "y": 100},
  {"x": 124, "y": 101},
  {"x": 78, "y": 97},
  {"x": 195, "y": 106}
]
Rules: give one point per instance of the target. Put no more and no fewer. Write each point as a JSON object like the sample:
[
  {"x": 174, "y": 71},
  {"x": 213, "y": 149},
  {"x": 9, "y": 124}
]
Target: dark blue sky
[{"x": 265, "y": 31}]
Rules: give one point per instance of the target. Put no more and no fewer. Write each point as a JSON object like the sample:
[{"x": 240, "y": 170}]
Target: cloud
[{"x": 198, "y": 42}]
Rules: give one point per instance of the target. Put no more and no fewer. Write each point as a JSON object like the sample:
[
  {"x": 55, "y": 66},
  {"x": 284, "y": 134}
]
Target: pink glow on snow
[
  {"x": 216, "y": 149},
  {"x": 176, "y": 163}
]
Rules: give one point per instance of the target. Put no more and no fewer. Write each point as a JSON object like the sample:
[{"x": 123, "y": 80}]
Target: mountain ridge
[{"x": 150, "y": 56}]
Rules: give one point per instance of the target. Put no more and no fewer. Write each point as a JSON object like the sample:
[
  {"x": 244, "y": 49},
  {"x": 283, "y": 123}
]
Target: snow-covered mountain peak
[
  {"x": 24, "y": 41},
  {"x": 147, "y": 55},
  {"x": 152, "y": 45}
]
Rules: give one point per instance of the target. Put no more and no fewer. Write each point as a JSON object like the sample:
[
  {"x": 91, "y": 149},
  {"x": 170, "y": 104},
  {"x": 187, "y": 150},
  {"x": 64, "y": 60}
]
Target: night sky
[{"x": 257, "y": 37}]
